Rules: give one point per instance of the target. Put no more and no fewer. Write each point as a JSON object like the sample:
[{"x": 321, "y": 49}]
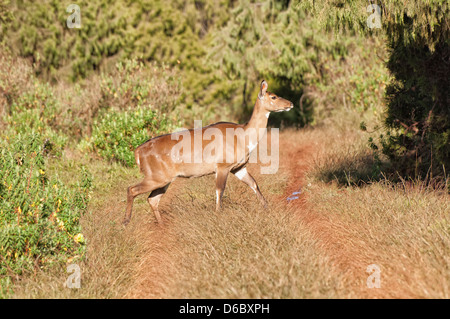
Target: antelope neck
[{"x": 259, "y": 117}]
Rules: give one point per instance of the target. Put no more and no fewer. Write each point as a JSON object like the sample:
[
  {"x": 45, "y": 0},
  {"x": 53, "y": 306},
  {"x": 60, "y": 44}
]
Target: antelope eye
[{"x": 273, "y": 97}]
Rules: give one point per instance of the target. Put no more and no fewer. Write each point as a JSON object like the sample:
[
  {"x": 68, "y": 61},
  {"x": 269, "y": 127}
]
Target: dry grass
[
  {"x": 403, "y": 227},
  {"x": 241, "y": 252},
  {"x": 404, "y": 230},
  {"x": 316, "y": 248}
]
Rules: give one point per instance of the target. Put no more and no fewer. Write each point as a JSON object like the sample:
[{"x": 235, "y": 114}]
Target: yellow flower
[
  {"x": 42, "y": 172},
  {"x": 79, "y": 238},
  {"x": 60, "y": 223}
]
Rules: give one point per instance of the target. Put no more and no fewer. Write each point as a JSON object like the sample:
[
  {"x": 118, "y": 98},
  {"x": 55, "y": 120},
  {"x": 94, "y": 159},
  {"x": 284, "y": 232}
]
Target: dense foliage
[
  {"x": 39, "y": 215},
  {"x": 117, "y": 134},
  {"x": 175, "y": 33},
  {"x": 418, "y": 97},
  {"x": 221, "y": 49},
  {"x": 417, "y": 126},
  {"x": 147, "y": 29}
]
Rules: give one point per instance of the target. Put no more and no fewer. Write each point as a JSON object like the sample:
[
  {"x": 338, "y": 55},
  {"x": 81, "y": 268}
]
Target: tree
[
  {"x": 417, "y": 125},
  {"x": 5, "y": 18},
  {"x": 274, "y": 40}
]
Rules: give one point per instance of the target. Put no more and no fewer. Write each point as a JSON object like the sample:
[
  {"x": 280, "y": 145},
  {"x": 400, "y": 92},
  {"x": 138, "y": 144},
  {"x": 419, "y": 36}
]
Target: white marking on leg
[
  {"x": 217, "y": 196},
  {"x": 267, "y": 114},
  {"x": 252, "y": 146},
  {"x": 241, "y": 174}
]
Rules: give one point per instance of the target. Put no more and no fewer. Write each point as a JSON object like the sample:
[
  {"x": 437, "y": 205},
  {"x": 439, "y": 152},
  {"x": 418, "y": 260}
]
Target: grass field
[
  {"x": 343, "y": 220},
  {"x": 318, "y": 246}
]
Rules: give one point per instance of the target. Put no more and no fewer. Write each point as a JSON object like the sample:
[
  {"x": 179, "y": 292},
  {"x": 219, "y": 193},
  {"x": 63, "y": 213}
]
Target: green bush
[
  {"x": 169, "y": 31},
  {"x": 37, "y": 110},
  {"x": 133, "y": 84},
  {"x": 117, "y": 134},
  {"x": 39, "y": 215},
  {"x": 222, "y": 49},
  {"x": 27, "y": 103}
]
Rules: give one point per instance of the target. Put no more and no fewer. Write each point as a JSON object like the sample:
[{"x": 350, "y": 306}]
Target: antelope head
[{"x": 272, "y": 102}]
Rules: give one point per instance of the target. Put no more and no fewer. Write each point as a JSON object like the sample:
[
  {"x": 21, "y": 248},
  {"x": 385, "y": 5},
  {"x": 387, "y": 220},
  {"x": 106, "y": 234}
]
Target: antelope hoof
[{"x": 126, "y": 221}]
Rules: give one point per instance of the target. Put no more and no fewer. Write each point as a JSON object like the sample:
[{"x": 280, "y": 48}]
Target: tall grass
[
  {"x": 41, "y": 209},
  {"x": 247, "y": 252},
  {"x": 243, "y": 251},
  {"x": 402, "y": 226}
]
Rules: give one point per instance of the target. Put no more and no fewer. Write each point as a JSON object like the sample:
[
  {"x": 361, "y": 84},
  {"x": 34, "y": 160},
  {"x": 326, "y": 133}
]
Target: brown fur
[{"x": 155, "y": 160}]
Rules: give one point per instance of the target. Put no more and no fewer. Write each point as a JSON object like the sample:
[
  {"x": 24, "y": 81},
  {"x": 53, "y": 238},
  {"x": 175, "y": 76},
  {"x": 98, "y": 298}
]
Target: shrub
[
  {"x": 39, "y": 215},
  {"x": 29, "y": 104},
  {"x": 168, "y": 31},
  {"x": 15, "y": 77},
  {"x": 37, "y": 110},
  {"x": 417, "y": 138},
  {"x": 134, "y": 84},
  {"x": 118, "y": 133}
]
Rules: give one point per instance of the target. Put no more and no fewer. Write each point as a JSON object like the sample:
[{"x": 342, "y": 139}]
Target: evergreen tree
[{"x": 417, "y": 125}]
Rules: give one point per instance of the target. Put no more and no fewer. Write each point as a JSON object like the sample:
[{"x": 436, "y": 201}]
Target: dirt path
[
  {"x": 157, "y": 264},
  {"x": 349, "y": 254},
  {"x": 331, "y": 236}
]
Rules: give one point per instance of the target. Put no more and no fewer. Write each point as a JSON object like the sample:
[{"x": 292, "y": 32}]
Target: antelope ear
[{"x": 263, "y": 90}]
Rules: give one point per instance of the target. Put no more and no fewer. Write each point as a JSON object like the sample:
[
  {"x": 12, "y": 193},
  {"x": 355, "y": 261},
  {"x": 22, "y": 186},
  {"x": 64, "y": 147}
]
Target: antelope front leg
[
  {"x": 248, "y": 179},
  {"x": 153, "y": 200},
  {"x": 221, "y": 181}
]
